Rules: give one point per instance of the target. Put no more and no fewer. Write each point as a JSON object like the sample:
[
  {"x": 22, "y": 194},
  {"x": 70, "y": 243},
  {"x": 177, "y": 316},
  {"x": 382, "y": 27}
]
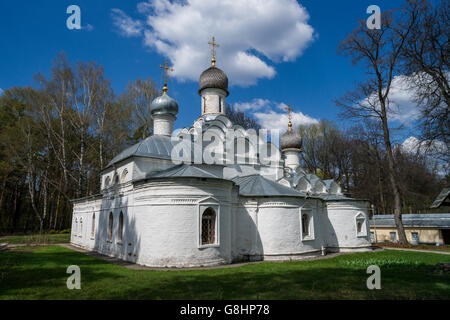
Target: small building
[
  {"x": 443, "y": 199},
  {"x": 420, "y": 228}
]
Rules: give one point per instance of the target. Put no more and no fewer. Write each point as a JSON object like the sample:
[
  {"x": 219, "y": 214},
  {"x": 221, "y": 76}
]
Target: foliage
[{"x": 56, "y": 137}]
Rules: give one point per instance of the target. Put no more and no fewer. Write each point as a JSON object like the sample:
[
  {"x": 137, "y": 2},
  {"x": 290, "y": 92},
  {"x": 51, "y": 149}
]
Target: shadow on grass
[{"x": 42, "y": 274}]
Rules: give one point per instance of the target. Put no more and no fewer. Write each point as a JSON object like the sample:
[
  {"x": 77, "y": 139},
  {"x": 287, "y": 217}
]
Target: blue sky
[{"x": 33, "y": 32}]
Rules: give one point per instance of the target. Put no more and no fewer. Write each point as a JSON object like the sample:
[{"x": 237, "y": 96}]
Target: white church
[{"x": 215, "y": 194}]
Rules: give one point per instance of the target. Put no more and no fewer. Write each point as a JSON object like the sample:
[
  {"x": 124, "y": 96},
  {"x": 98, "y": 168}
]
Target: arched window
[
  {"x": 124, "y": 175},
  {"x": 120, "y": 231},
  {"x": 305, "y": 224},
  {"x": 75, "y": 232},
  {"x": 93, "y": 226},
  {"x": 209, "y": 226},
  {"x": 107, "y": 182},
  {"x": 110, "y": 227},
  {"x": 116, "y": 179},
  {"x": 81, "y": 227},
  {"x": 361, "y": 225}
]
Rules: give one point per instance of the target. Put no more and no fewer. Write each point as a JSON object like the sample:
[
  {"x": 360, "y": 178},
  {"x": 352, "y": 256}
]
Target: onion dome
[
  {"x": 290, "y": 139},
  {"x": 213, "y": 77},
  {"x": 164, "y": 104}
]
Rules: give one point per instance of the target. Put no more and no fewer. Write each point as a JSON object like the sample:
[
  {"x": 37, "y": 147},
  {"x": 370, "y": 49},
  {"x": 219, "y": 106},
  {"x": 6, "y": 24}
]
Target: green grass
[
  {"x": 40, "y": 273},
  {"x": 37, "y": 239}
]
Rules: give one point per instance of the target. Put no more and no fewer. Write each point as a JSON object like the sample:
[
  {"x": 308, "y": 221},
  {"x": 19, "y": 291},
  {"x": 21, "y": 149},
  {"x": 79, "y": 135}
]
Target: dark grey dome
[
  {"x": 164, "y": 105},
  {"x": 290, "y": 140},
  {"x": 213, "y": 78}
]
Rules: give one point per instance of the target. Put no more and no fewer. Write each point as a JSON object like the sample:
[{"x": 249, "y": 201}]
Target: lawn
[
  {"x": 37, "y": 239},
  {"x": 40, "y": 273}
]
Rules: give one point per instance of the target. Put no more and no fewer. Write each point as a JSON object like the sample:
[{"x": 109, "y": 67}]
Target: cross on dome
[
  {"x": 213, "y": 45},
  {"x": 289, "y": 110},
  {"x": 165, "y": 75}
]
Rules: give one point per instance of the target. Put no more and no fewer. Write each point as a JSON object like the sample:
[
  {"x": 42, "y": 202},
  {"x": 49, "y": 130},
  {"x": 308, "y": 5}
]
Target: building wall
[
  {"x": 162, "y": 224},
  {"x": 426, "y": 235},
  {"x": 340, "y": 228}
]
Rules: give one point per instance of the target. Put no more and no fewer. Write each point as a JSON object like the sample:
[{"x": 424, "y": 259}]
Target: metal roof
[
  {"x": 441, "y": 199},
  {"x": 186, "y": 171},
  {"x": 256, "y": 185},
  {"x": 440, "y": 220},
  {"x": 155, "y": 146}
]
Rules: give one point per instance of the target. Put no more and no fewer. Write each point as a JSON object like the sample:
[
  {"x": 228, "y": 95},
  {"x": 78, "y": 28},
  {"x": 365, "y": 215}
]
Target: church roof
[
  {"x": 155, "y": 146},
  {"x": 441, "y": 220},
  {"x": 213, "y": 77},
  {"x": 256, "y": 185},
  {"x": 184, "y": 170}
]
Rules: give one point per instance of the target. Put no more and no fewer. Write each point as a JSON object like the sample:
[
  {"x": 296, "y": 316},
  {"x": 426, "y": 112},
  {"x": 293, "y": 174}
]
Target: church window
[
  {"x": 361, "y": 225},
  {"x": 110, "y": 226},
  {"x": 120, "y": 231},
  {"x": 107, "y": 182},
  {"x": 75, "y": 233},
  {"x": 116, "y": 179},
  {"x": 93, "y": 226},
  {"x": 305, "y": 224},
  {"x": 209, "y": 226},
  {"x": 81, "y": 227},
  {"x": 124, "y": 175}
]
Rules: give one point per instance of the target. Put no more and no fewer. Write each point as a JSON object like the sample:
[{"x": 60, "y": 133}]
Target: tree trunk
[{"x": 392, "y": 179}]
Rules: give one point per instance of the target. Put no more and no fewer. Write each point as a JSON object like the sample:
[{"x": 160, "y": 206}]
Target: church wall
[
  {"x": 342, "y": 225},
  {"x": 162, "y": 222},
  {"x": 279, "y": 227},
  {"x": 81, "y": 234}
]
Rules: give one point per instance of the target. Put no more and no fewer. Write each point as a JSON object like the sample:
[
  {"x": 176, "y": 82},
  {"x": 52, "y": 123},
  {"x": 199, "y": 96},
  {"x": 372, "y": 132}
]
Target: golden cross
[
  {"x": 166, "y": 71},
  {"x": 213, "y": 45},
  {"x": 289, "y": 110}
]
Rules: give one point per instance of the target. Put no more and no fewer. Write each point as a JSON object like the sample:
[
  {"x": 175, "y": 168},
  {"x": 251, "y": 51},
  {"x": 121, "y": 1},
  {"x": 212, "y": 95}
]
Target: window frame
[
  {"x": 202, "y": 206},
  {"x": 120, "y": 228},
  {"x": 395, "y": 236},
  {"x": 361, "y": 217},
  {"x": 110, "y": 226},
  {"x": 308, "y": 211},
  {"x": 93, "y": 227}
]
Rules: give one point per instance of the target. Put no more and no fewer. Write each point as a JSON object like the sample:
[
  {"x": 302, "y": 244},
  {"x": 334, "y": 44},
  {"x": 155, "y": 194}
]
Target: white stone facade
[{"x": 162, "y": 222}]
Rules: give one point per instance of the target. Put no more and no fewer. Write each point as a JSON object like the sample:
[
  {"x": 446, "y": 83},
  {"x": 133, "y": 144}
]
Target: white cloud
[
  {"x": 272, "y": 115},
  {"x": 126, "y": 25},
  {"x": 414, "y": 145},
  {"x": 402, "y": 107},
  {"x": 1, "y": 91},
  {"x": 251, "y": 34}
]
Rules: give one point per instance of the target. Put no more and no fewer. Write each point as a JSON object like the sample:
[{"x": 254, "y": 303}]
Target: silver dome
[
  {"x": 164, "y": 105},
  {"x": 290, "y": 140},
  {"x": 213, "y": 78}
]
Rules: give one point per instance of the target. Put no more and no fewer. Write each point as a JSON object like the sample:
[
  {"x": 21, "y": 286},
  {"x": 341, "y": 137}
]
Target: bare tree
[
  {"x": 379, "y": 50},
  {"x": 425, "y": 62}
]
